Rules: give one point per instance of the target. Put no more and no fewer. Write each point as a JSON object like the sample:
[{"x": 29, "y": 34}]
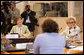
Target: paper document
[
  {"x": 78, "y": 48},
  {"x": 23, "y": 45}
]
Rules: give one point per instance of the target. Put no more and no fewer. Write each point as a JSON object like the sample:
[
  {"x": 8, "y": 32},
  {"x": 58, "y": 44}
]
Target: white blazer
[
  {"x": 24, "y": 31},
  {"x": 75, "y": 32}
]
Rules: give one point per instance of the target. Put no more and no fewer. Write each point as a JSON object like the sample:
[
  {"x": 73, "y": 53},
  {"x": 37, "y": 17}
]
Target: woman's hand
[
  {"x": 75, "y": 39},
  {"x": 20, "y": 35}
]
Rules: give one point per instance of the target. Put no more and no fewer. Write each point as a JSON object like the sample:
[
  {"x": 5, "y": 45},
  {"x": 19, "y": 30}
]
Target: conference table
[
  {"x": 66, "y": 51},
  {"x": 26, "y": 40}
]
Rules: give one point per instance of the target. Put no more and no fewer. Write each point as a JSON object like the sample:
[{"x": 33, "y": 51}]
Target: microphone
[
  {"x": 69, "y": 32},
  {"x": 60, "y": 29},
  {"x": 20, "y": 30}
]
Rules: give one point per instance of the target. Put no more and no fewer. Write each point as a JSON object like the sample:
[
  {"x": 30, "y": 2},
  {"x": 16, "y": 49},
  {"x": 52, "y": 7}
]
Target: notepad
[{"x": 77, "y": 48}]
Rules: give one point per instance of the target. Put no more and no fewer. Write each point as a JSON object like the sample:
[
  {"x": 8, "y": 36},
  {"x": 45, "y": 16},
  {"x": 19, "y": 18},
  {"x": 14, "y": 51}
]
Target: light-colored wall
[
  {"x": 78, "y": 13},
  {"x": 61, "y": 22},
  {"x": 20, "y": 6}
]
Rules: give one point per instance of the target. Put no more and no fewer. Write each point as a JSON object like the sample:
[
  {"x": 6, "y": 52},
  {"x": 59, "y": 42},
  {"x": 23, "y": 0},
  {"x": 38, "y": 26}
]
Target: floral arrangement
[{"x": 5, "y": 44}]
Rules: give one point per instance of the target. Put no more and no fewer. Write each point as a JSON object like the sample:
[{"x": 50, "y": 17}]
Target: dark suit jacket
[
  {"x": 31, "y": 26},
  {"x": 31, "y": 17}
]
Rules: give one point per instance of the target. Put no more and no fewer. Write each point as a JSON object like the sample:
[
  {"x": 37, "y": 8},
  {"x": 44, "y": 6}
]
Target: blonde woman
[{"x": 72, "y": 31}]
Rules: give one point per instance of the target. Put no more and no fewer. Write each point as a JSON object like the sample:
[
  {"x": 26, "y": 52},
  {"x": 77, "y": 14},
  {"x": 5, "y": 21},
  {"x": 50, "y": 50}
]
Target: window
[{"x": 57, "y": 9}]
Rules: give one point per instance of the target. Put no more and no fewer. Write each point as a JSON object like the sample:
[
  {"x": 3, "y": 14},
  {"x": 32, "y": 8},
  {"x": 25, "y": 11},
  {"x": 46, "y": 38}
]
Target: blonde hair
[{"x": 71, "y": 18}]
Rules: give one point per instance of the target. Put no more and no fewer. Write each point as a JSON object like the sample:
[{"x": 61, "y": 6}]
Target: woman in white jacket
[{"x": 72, "y": 31}]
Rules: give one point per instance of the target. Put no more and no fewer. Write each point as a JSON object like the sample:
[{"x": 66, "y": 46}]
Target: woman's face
[
  {"x": 12, "y": 5},
  {"x": 71, "y": 23},
  {"x": 19, "y": 22}
]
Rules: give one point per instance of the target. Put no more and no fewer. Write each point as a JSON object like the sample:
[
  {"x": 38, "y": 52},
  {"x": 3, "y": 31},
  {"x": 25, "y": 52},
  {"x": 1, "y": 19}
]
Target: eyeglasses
[{"x": 70, "y": 22}]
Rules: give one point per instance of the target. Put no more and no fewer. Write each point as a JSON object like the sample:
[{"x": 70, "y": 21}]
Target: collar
[
  {"x": 13, "y": 9},
  {"x": 21, "y": 26}
]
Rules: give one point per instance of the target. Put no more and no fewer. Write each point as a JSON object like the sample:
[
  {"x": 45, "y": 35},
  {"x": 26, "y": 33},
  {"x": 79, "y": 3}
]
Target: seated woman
[
  {"x": 49, "y": 42},
  {"x": 72, "y": 31},
  {"x": 21, "y": 29}
]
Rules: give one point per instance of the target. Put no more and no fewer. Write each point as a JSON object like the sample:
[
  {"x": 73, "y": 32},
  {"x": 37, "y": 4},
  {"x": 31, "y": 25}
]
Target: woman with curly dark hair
[{"x": 49, "y": 42}]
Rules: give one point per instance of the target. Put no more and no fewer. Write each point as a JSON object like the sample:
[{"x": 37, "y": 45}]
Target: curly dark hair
[{"x": 50, "y": 26}]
